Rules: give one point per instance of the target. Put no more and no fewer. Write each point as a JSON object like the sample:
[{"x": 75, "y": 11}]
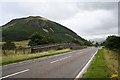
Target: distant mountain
[
  {"x": 98, "y": 40},
  {"x": 22, "y": 28}
]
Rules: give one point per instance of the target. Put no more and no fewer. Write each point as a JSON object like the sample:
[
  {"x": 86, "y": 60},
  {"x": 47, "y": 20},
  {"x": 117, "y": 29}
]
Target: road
[{"x": 66, "y": 65}]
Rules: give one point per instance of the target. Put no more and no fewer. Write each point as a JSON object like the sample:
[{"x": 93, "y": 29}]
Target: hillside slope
[{"x": 22, "y": 28}]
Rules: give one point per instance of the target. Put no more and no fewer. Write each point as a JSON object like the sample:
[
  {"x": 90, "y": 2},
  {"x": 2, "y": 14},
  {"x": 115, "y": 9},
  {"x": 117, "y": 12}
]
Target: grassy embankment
[
  {"x": 22, "y": 57},
  {"x": 105, "y": 65}
]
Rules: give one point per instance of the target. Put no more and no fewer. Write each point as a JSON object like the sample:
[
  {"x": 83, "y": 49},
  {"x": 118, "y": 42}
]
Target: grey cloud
[
  {"x": 98, "y": 5},
  {"x": 55, "y": 11},
  {"x": 13, "y": 8},
  {"x": 85, "y": 18}
]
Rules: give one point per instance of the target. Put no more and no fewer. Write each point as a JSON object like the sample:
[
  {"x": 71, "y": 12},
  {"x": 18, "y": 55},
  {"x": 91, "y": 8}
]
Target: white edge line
[
  {"x": 85, "y": 67},
  {"x": 60, "y": 59},
  {"x": 14, "y": 74}
]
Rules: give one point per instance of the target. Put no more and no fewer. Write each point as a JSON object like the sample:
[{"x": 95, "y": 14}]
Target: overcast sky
[{"x": 88, "y": 19}]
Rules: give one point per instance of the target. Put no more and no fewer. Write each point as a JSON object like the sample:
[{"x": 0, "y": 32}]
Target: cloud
[
  {"x": 93, "y": 22},
  {"x": 87, "y": 19},
  {"x": 53, "y": 11},
  {"x": 98, "y": 5},
  {"x": 59, "y": 1}
]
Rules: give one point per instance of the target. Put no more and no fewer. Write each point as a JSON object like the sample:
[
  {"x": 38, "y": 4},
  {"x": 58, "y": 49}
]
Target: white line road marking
[
  {"x": 54, "y": 61},
  {"x": 60, "y": 59},
  {"x": 85, "y": 67},
  {"x": 65, "y": 58},
  {"x": 14, "y": 74}
]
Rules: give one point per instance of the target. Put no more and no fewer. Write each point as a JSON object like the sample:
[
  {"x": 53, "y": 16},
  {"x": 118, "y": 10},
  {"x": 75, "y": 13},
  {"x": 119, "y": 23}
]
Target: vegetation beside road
[
  {"x": 23, "y": 43},
  {"x": 105, "y": 65},
  {"x": 111, "y": 58},
  {"x": 22, "y": 57},
  {"x": 98, "y": 67}
]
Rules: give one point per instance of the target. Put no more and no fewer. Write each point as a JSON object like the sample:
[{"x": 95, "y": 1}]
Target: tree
[
  {"x": 112, "y": 42},
  {"x": 88, "y": 43},
  {"x": 38, "y": 39},
  {"x": 96, "y": 44},
  {"x": 8, "y": 45},
  {"x": 103, "y": 43}
]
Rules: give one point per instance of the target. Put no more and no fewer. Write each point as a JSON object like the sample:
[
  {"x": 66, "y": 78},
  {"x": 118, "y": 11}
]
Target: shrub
[
  {"x": 8, "y": 45},
  {"x": 113, "y": 42},
  {"x": 38, "y": 39}
]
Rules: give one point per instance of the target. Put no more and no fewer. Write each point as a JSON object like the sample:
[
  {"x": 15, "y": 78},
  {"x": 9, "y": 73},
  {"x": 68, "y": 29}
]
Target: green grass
[
  {"x": 17, "y": 58},
  {"x": 98, "y": 68}
]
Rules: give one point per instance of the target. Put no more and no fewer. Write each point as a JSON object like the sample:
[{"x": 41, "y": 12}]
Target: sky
[{"x": 90, "y": 20}]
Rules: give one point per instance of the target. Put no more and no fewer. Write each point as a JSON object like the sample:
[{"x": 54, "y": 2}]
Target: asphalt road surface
[{"x": 66, "y": 65}]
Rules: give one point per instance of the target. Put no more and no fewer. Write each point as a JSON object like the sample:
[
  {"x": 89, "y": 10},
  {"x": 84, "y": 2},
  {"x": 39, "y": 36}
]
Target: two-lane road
[{"x": 66, "y": 65}]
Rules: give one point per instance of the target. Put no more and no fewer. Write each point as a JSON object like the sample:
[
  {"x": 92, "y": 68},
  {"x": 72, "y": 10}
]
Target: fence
[{"x": 40, "y": 48}]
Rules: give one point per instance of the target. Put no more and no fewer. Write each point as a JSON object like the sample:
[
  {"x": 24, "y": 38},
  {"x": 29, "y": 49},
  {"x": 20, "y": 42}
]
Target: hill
[{"x": 22, "y": 28}]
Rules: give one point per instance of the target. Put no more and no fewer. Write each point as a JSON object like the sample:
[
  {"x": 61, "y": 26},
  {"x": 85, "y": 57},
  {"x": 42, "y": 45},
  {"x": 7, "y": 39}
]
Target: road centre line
[
  {"x": 60, "y": 59},
  {"x": 14, "y": 74}
]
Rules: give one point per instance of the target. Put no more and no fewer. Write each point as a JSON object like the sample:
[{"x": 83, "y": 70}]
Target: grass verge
[
  {"x": 17, "y": 58},
  {"x": 98, "y": 67},
  {"x": 104, "y": 65}
]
